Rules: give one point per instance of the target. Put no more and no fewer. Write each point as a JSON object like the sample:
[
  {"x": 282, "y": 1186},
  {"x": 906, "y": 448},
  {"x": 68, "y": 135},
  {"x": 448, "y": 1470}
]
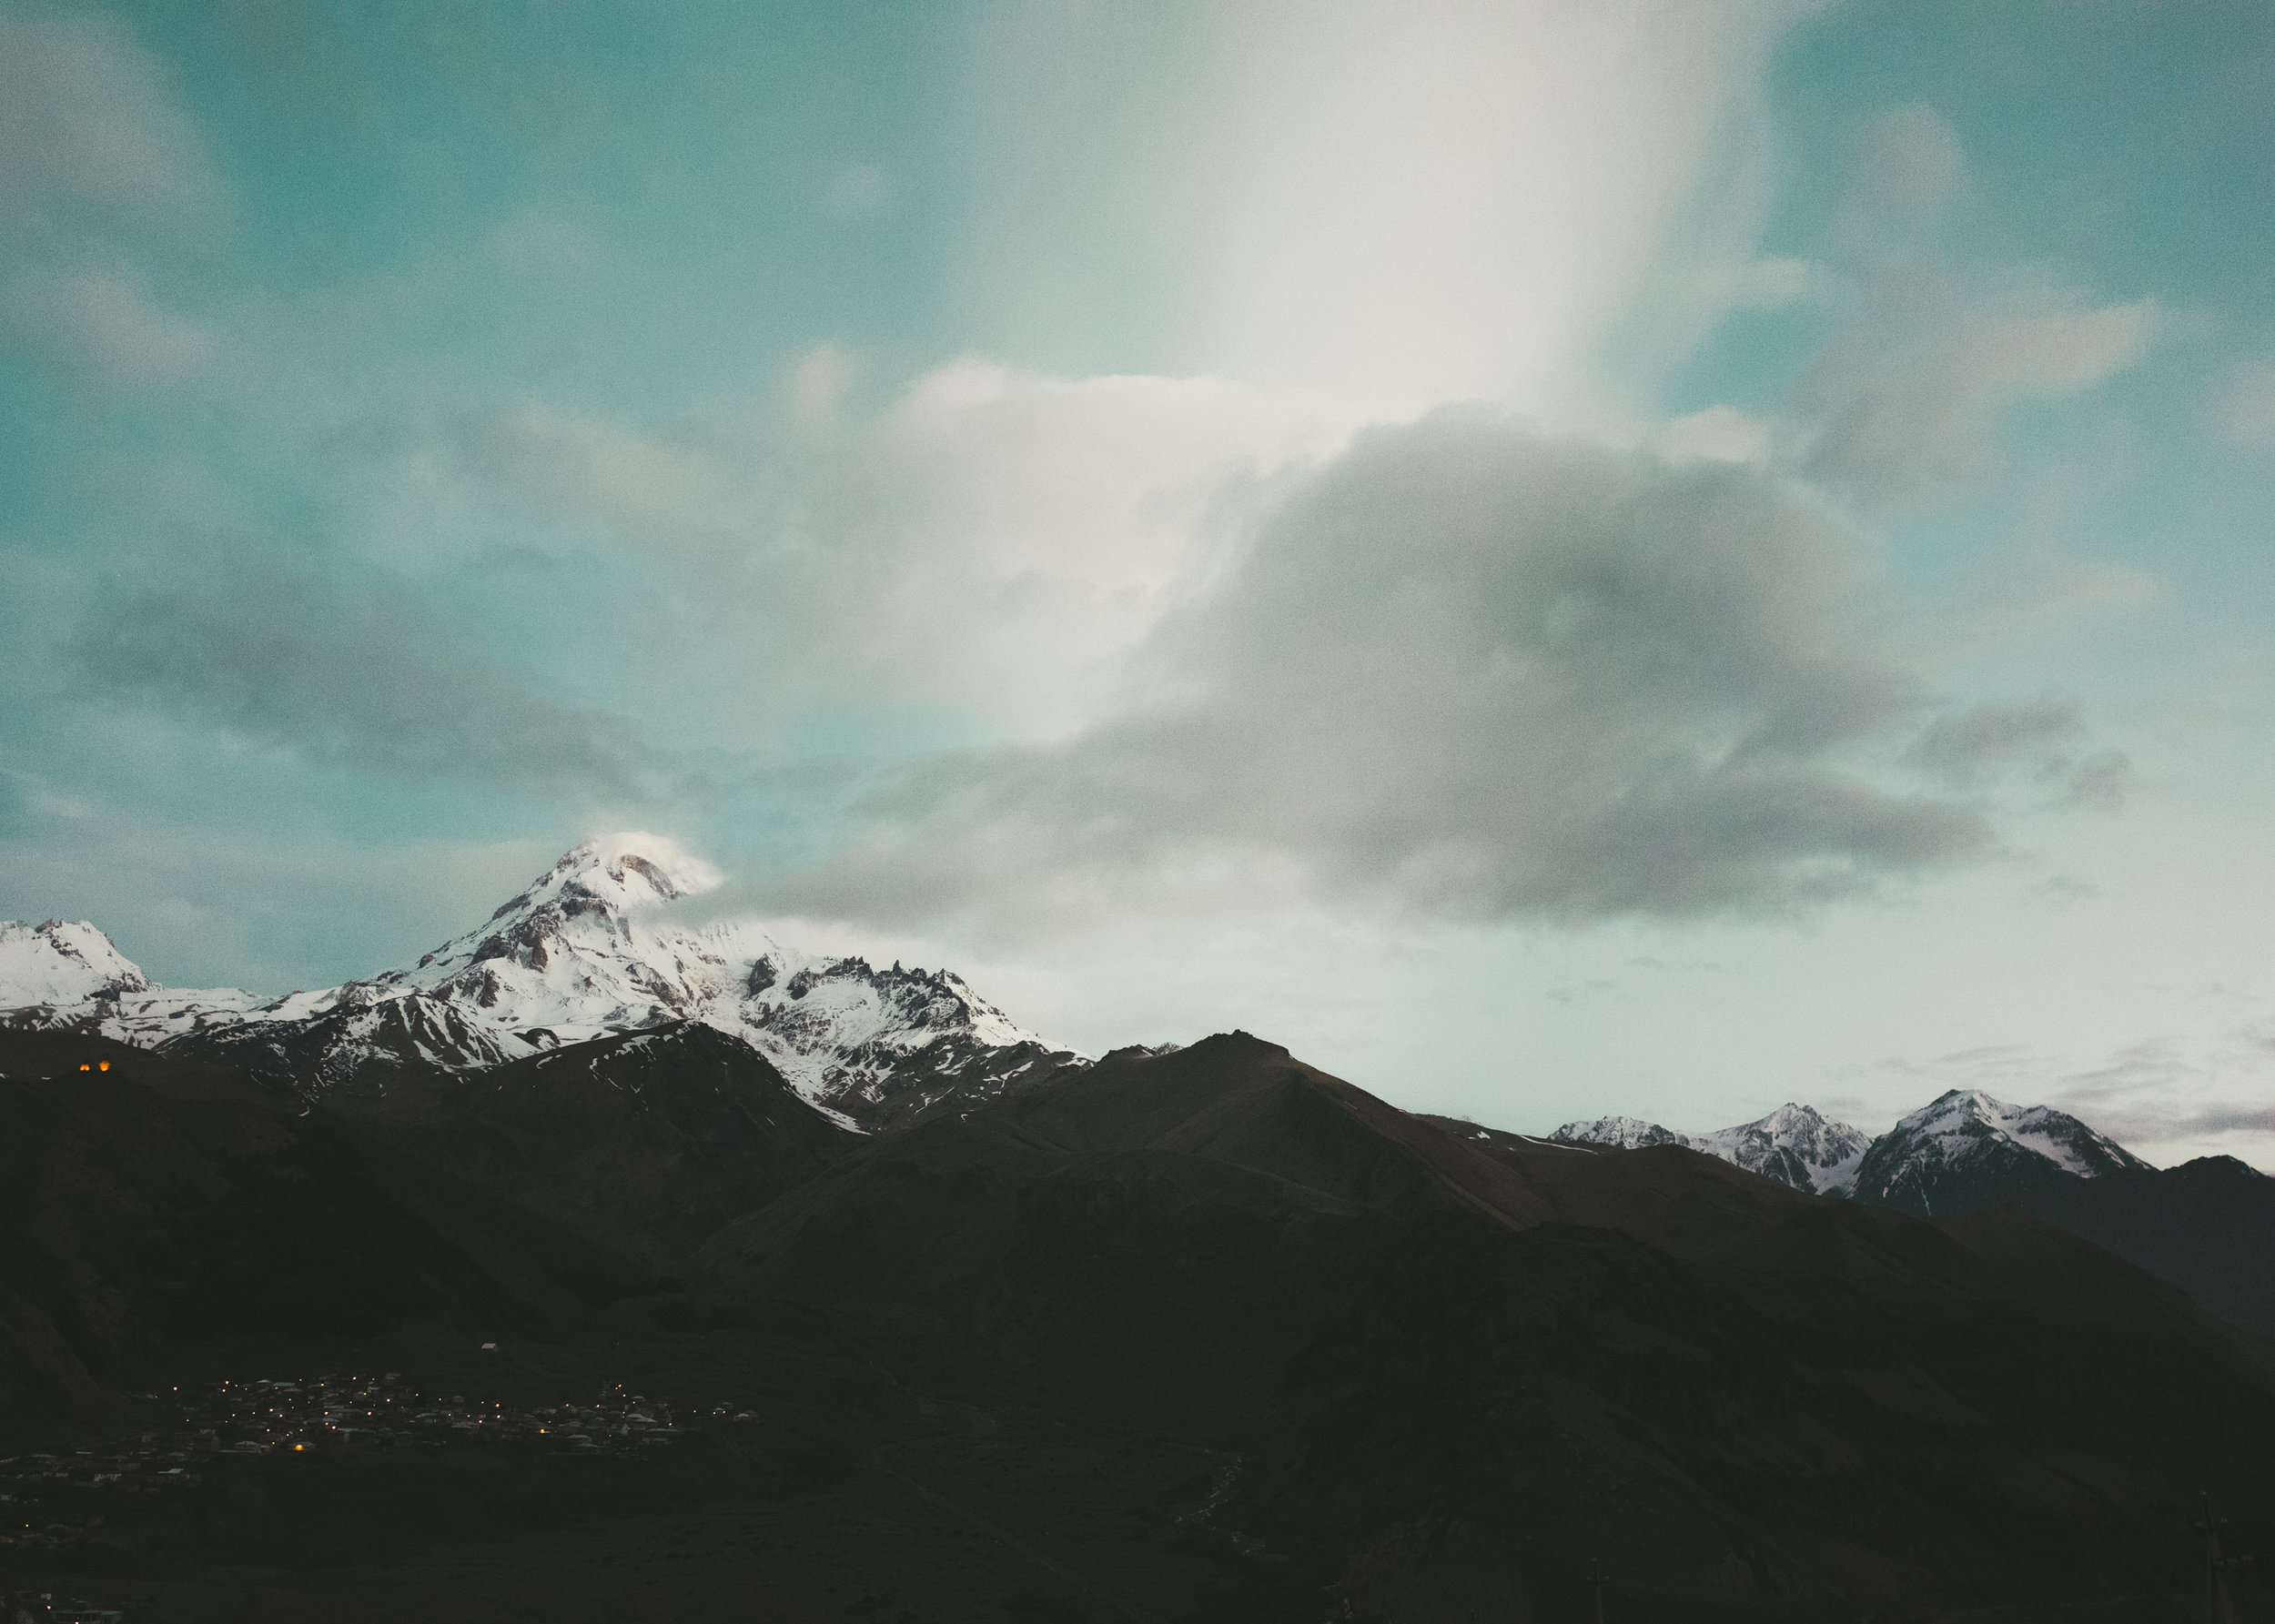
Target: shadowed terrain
[
  {"x": 643, "y": 1142},
  {"x": 1206, "y": 1335}
]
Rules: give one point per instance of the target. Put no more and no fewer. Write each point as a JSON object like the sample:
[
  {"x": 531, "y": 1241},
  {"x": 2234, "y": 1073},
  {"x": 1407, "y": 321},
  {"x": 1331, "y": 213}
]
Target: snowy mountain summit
[
  {"x": 1962, "y": 1153},
  {"x": 1792, "y": 1144},
  {"x": 581, "y": 953},
  {"x": 59, "y": 965},
  {"x": 1624, "y": 1133},
  {"x": 1965, "y": 1150}
]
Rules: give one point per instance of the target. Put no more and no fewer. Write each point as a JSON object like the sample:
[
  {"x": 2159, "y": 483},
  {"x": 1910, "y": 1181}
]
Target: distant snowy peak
[
  {"x": 1627, "y": 1133},
  {"x": 1966, "y": 1150},
  {"x": 1967, "y": 1118},
  {"x": 1792, "y": 1144},
  {"x": 586, "y": 950},
  {"x": 62, "y": 967}
]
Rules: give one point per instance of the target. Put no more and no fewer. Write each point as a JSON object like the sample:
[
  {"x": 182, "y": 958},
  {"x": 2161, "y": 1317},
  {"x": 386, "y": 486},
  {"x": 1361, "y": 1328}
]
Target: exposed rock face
[{"x": 582, "y": 953}]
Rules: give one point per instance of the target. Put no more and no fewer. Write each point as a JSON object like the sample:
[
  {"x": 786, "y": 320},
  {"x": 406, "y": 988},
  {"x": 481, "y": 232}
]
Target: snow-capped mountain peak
[
  {"x": 1792, "y": 1144},
  {"x": 60, "y": 964},
  {"x": 583, "y": 951},
  {"x": 1795, "y": 1144},
  {"x": 1628, "y": 1132},
  {"x": 1965, "y": 1119},
  {"x": 1965, "y": 1149}
]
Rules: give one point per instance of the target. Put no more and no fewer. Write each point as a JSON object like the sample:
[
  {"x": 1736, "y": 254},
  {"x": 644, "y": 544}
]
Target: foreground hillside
[
  {"x": 1459, "y": 1372},
  {"x": 1205, "y": 1335}
]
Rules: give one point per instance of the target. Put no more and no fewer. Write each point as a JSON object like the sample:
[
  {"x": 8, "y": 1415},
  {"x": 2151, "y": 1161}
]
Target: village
[{"x": 56, "y": 1506}]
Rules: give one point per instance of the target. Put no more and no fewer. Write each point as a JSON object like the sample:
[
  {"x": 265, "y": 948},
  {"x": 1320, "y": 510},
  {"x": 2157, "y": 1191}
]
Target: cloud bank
[{"x": 1467, "y": 671}]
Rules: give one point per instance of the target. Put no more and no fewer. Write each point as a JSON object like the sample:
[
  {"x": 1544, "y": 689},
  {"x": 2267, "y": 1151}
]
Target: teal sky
[{"x": 1556, "y": 559}]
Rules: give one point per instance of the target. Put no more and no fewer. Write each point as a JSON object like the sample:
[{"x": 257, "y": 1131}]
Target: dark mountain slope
[
  {"x": 1454, "y": 1377},
  {"x": 1248, "y": 1104},
  {"x": 641, "y": 1142},
  {"x": 157, "y": 1199},
  {"x": 1727, "y": 1221},
  {"x": 2207, "y": 1225}
]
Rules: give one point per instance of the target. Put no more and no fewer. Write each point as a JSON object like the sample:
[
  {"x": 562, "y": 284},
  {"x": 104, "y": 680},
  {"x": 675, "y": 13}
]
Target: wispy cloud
[
  {"x": 96, "y": 153},
  {"x": 1904, "y": 400},
  {"x": 365, "y": 677},
  {"x": 103, "y": 325},
  {"x": 90, "y": 125}
]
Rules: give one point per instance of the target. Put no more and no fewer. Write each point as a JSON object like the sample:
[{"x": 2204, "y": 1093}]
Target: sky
[{"x": 1556, "y": 559}]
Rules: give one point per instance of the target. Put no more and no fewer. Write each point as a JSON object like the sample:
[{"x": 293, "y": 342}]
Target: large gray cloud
[
  {"x": 367, "y": 679},
  {"x": 1466, "y": 670}
]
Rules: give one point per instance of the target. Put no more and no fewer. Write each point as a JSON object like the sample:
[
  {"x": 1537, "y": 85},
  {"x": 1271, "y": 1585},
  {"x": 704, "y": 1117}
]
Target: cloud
[
  {"x": 1902, "y": 401},
  {"x": 1908, "y": 399},
  {"x": 645, "y": 487},
  {"x": 1465, "y": 671},
  {"x": 368, "y": 679},
  {"x": 2245, "y": 415},
  {"x": 1970, "y": 745},
  {"x": 1975, "y": 747},
  {"x": 89, "y": 125},
  {"x": 2231, "y": 1119},
  {"x": 989, "y": 541},
  {"x": 1006, "y": 539},
  {"x": 1396, "y": 205},
  {"x": 1904, "y": 173},
  {"x": 2101, "y": 782},
  {"x": 2174, "y": 1097},
  {"x": 1718, "y": 434},
  {"x": 95, "y": 151},
  {"x": 104, "y": 326}
]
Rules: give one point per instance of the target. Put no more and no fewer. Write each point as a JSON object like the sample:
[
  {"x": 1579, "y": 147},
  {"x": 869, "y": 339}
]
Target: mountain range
[
  {"x": 1792, "y": 1144},
  {"x": 1962, "y": 1151},
  {"x": 1197, "y": 1334},
  {"x": 2207, "y": 1225},
  {"x": 589, "y": 949},
  {"x": 521, "y": 1033}
]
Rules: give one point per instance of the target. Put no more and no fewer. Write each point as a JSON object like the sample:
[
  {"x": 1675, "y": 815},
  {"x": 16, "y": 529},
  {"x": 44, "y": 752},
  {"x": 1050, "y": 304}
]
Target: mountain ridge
[
  {"x": 1795, "y": 1144},
  {"x": 1450, "y": 1365},
  {"x": 579, "y": 954}
]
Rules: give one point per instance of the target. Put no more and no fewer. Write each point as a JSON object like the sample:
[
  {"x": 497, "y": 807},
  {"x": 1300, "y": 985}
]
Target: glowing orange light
[
  {"x": 104, "y": 1067},
  {"x": 84, "y": 1067},
  {"x": 298, "y": 1448}
]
